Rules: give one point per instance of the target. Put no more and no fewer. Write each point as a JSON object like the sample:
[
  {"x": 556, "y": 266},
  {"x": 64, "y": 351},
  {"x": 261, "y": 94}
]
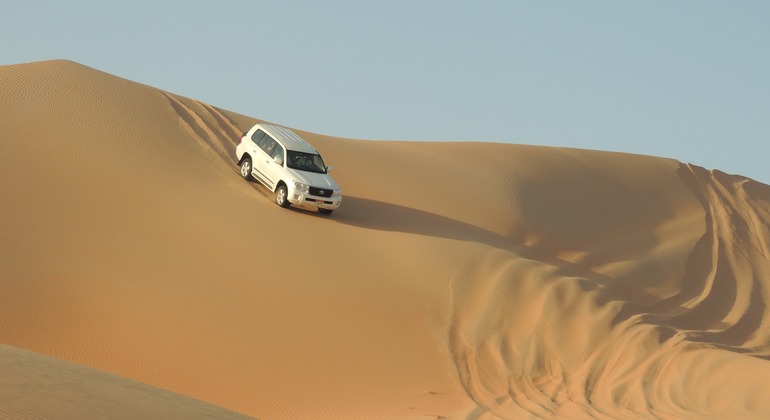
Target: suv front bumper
[{"x": 307, "y": 200}]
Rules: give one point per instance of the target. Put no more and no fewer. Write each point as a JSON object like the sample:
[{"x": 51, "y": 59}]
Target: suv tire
[
  {"x": 246, "y": 169},
  {"x": 281, "y": 196}
]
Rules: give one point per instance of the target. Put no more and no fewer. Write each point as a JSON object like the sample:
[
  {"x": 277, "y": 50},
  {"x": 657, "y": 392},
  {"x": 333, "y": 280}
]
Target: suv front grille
[{"x": 321, "y": 192}]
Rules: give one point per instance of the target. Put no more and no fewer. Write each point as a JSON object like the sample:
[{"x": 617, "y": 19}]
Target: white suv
[{"x": 289, "y": 166}]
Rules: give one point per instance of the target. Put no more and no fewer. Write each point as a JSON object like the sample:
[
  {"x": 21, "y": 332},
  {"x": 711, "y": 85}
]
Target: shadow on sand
[{"x": 378, "y": 215}]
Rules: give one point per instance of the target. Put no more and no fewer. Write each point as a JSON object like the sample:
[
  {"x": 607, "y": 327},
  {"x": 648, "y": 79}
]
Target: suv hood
[{"x": 315, "y": 180}]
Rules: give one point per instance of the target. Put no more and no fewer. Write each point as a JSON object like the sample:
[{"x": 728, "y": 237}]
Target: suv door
[
  {"x": 257, "y": 151},
  {"x": 263, "y": 161},
  {"x": 273, "y": 169}
]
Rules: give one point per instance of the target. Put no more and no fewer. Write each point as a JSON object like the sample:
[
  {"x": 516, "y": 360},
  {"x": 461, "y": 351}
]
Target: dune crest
[{"x": 457, "y": 280}]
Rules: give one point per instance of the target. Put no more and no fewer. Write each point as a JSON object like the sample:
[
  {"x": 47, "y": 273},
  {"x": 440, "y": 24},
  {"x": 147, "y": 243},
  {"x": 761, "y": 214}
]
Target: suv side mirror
[
  {"x": 328, "y": 169},
  {"x": 278, "y": 160}
]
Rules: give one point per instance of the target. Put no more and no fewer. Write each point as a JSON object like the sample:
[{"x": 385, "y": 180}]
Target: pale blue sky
[{"x": 684, "y": 79}]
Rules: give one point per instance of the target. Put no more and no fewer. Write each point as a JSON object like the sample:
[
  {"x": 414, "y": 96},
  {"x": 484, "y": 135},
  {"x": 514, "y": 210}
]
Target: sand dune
[
  {"x": 457, "y": 280},
  {"x": 34, "y": 386}
]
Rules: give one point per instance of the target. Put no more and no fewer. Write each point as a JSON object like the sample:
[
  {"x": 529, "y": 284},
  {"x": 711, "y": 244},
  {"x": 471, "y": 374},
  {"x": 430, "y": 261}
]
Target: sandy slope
[
  {"x": 34, "y": 386},
  {"x": 458, "y": 280}
]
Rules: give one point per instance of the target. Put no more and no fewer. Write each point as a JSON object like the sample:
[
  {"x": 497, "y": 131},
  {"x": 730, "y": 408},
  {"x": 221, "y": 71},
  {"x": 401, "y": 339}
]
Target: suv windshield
[{"x": 309, "y": 162}]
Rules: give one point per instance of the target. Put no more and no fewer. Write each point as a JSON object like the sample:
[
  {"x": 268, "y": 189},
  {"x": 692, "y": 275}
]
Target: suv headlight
[
  {"x": 337, "y": 193},
  {"x": 303, "y": 188}
]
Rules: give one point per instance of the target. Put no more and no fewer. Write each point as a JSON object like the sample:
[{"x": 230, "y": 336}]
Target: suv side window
[
  {"x": 257, "y": 136},
  {"x": 278, "y": 152},
  {"x": 269, "y": 146},
  {"x": 265, "y": 142}
]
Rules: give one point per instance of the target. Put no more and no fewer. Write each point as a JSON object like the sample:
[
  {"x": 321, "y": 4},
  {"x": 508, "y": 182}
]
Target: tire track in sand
[
  {"x": 533, "y": 337},
  {"x": 208, "y": 126}
]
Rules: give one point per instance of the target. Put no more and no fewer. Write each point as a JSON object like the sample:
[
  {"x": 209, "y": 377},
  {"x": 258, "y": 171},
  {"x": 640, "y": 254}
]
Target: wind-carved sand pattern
[
  {"x": 458, "y": 280},
  {"x": 207, "y": 125},
  {"x": 521, "y": 347}
]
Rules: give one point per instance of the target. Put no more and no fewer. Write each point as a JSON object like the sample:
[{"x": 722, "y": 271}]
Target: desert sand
[{"x": 141, "y": 277}]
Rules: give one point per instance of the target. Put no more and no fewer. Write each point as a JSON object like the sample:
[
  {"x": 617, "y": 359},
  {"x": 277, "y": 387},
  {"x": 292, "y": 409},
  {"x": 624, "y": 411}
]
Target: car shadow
[{"x": 378, "y": 215}]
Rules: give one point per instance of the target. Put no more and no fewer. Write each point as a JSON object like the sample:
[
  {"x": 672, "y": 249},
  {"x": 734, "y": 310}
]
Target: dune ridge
[
  {"x": 458, "y": 280},
  {"x": 639, "y": 355}
]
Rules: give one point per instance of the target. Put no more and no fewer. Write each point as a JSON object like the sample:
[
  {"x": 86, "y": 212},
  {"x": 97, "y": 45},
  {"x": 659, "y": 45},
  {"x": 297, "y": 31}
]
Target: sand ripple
[{"x": 537, "y": 336}]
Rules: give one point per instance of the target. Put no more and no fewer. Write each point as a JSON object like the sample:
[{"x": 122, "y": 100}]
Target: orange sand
[{"x": 457, "y": 280}]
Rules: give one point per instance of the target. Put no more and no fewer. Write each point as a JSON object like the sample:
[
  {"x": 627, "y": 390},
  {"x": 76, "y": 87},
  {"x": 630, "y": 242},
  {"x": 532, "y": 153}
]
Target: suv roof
[{"x": 288, "y": 138}]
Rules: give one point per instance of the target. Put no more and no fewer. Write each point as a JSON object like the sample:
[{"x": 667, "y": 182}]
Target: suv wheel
[
  {"x": 246, "y": 169},
  {"x": 281, "y": 194}
]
